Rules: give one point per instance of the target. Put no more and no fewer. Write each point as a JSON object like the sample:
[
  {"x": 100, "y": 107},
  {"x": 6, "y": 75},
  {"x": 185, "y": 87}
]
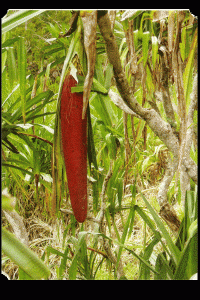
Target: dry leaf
[
  {"x": 171, "y": 26},
  {"x": 160, "y": 15},
  {"x": 89, "y": 24}
]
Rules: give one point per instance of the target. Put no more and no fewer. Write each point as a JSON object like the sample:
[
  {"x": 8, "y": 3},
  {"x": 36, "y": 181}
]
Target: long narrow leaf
[
  {"x": 172, "y": 247},
  {"x": 68, "y": 60},
  {"x": 145, "y": 46},
  {"x": 124, "y": 235},
  {"x": 78, "y": 245},
  {"x": 91, "y": 145},
  {"x": 138, "y": 257},
  {"x": 188, "y": 262},
  {"x": 19, "y": 18},
  {"x": 12, "y": 68},
  {"x": 23, "y": 256},
  {"x": 22, "y": 75}
]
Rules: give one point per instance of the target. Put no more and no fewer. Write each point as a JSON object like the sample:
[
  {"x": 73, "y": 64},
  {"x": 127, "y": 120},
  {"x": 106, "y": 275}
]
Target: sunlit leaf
[
  {"x": 145, "y": 46},
  {"x": 23, "y": 256},
  {"x": 154, "y": 50},
  {"x": 22, "y": 74},
  {"x": 18, "y": 18}
]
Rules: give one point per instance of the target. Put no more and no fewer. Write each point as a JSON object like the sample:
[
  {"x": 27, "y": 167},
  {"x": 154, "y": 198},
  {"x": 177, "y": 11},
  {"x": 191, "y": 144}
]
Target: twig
[
  {"x": 36, "y": 137},
  {"x": 98, "y": 251},
  {"x": 70, "y": 212},
  {"x": 72, "y": 23}
]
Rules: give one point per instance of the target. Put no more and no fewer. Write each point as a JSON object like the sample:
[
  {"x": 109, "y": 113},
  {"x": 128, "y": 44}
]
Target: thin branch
[
  {"x": 72, "y": 23},
  {"x": 114, "y": 59},
  {"x": 118, "y": 101},
  {"x": 98, "y": 251},
  {"x": 36, "y": 137},
  {"x": 70, "y": 212}
]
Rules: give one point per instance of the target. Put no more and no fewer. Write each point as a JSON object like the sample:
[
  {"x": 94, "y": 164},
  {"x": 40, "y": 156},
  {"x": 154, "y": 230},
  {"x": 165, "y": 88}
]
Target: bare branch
[
  {"x": 114, "y": 58},
  {"x": 70, "y": 212},
  {"x": 72, "y": 24},
  {"x": 118, "y": 101}
]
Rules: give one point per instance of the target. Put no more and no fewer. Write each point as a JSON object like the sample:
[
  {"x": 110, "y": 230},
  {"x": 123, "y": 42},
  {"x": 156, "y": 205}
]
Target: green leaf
[
  {"x": 96, "y": 87},
  {"x": 78, "y": 244},
  {"x": 108, "y": 76},
  {"x": 12, "y": 68},
  {"x": 15, "y": 167},
  {"x": 172, "y": 247},
  {"x": 136, "y": 37},
  {"x": 7, "y": 202},
  {"x": 23, "y": 257},
  {"x": 18, "y": 18},
  {"x": 188, "y": 260},
  {"x": 91, "y": 144},
  {"x": 67, "y": 61},
  {"x": 111, "y": 144},
  {"x": 54, "y": 30},
  {"x": 124, "y": 235},
  {"x": 22, "y": 75},
  {"x": 44, "y": 97},
  {"x": 161, "y": 267},
  {"x": 141, "y": 259},
  {"x": 144, "y": 271},
  {"x": 145, "y": 46}
]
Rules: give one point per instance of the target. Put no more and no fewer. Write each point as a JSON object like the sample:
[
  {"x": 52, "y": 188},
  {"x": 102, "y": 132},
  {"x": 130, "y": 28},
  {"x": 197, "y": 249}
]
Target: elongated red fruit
[{"x": 74, "y": 142}]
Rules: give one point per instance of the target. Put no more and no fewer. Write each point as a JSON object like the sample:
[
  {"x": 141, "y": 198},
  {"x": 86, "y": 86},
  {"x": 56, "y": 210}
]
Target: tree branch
[
  {"x": 114, "y": 59},
  {"x": 162, "y": 129},
  {"x": 189, "y": 164}
]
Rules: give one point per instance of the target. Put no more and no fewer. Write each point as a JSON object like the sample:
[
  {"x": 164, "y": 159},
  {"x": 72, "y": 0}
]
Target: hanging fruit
[{"x": 74, "y": 144}]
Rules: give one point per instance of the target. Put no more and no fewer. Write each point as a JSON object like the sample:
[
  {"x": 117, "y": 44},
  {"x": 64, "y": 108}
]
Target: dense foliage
[{"x": 124, "y": 235}]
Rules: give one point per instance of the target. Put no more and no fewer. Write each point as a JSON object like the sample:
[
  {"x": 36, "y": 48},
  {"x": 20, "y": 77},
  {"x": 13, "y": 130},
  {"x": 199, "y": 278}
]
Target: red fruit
[{"x": 74, "y": 142}]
